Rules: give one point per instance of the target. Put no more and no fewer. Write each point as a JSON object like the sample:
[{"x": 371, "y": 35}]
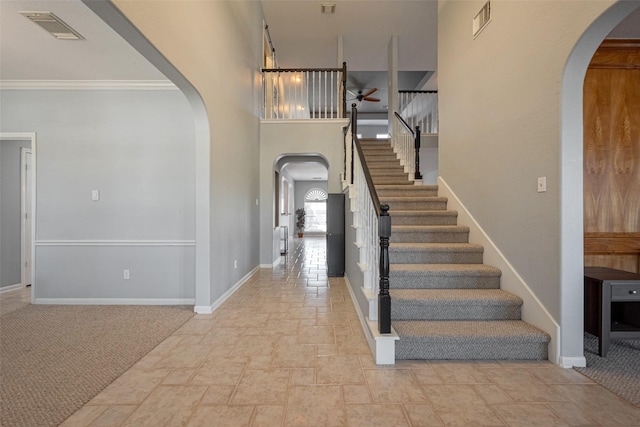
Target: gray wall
[
  {"x": 498, "y": 137},
  {"x": 10, "y": 223},
  {"x": 137, "y": 149}
]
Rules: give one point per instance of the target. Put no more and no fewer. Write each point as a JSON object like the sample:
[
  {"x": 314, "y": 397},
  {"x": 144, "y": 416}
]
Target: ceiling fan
[{"x": 360, "y": 96}]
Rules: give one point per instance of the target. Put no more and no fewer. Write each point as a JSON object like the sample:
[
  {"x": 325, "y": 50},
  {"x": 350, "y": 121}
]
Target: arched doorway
[{"x": 572, "y": 203}]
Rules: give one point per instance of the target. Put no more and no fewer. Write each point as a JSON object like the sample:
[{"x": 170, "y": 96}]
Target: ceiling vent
[
  {"x": 53, "y": 25},
  {"x": 328, "y": 8}
]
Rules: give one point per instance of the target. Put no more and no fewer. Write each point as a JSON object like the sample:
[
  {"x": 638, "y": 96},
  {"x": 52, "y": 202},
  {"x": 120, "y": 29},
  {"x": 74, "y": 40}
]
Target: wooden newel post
[
  {"x": 344, "y": 90},
  {"x": 384, "y": 299},
  {"x": 417, "y": 175}
]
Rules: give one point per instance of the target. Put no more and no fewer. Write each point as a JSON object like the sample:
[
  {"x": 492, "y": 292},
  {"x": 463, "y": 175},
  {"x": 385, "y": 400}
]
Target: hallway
[{"x": 287, "y": 349}]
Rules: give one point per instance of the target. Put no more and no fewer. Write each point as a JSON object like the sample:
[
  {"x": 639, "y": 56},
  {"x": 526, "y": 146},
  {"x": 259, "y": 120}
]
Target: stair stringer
[{"x": 533, "y": 311}]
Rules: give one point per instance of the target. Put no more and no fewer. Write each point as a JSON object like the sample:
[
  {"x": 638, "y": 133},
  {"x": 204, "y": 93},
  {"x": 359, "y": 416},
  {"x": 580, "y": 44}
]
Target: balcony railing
[
  {"x": 419, "y": 108},
  {"x": 304, "y": 93}
]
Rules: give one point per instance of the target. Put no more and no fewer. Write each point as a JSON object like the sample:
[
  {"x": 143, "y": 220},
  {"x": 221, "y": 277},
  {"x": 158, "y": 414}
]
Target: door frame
[
  {"x": 28, "y": 136},
  {"x": 26, "y": 177}
]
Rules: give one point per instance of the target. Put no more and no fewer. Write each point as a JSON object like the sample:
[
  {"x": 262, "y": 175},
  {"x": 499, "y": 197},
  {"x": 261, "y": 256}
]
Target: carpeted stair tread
[
  {"x": 444, "y": 276},
  {"x": 414, "y": 203},
  {"x": 429, "y": 233},
  {"x": 423, "y": 217},
  {"x": 470, "y": 340},
  {"x": 454, "y": 304},
  {"x": 439, "y": 270},
  {"x": 436, "y": 247}
]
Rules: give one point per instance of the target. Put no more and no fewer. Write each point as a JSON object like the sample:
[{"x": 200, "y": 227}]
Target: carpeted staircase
[{"x": 446, "y": 304}]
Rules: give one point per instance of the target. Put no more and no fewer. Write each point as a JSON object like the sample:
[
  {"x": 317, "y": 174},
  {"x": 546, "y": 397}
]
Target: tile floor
[{"x": 287, "y": 349}]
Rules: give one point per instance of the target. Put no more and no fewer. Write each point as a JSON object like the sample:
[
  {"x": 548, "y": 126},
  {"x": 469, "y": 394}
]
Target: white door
[{"x": 26, "y": 194}]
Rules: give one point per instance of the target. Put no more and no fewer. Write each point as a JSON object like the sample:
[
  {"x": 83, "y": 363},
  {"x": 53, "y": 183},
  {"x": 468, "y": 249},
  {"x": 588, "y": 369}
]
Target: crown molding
[{"x": 87, "y": 85}]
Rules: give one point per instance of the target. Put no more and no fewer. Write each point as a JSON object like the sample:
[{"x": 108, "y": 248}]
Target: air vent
[
  {"x": 482, "y": 19},
  {"x": 328, "y": 8},
  {"x": 53, "y": 25}
]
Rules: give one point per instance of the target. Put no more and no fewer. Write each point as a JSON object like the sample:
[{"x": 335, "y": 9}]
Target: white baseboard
[
  {"x": 208, "y": 309},
  {"x": 115, "y": 301},
  {"x": 17, "y": 286},
  {"x": 571, "y": 362},
  {"x": 533, "y": 311}
]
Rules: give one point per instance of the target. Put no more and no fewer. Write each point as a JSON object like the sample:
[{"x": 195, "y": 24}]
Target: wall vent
[
  {"x": 482, "y": 19},
  {"x": 53, "y": 25}
]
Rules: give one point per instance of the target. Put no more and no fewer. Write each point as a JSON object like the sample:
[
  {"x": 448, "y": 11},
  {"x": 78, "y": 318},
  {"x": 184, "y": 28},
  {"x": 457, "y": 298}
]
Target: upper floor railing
[
  {"x": 304, "y": 93},
  {"x": 419, "y": 108},
  {"x": 418, "y": 116}
]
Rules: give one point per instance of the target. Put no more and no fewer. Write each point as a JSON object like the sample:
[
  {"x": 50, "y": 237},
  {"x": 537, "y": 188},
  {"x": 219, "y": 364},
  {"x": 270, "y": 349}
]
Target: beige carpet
[{"x": 54, "y": 359}]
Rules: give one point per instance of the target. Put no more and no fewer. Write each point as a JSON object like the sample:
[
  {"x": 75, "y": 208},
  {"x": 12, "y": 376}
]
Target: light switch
[
  {"x": 542, "y": 184},
  {"x": 95, "y": 195}
]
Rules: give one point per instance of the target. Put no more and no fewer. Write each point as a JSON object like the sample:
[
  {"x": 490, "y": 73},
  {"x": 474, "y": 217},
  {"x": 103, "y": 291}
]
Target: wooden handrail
[
  {"x": 384, "y": 233},
  {"x": 298, "y": 70},
  {"x": 404, "y": 123}
]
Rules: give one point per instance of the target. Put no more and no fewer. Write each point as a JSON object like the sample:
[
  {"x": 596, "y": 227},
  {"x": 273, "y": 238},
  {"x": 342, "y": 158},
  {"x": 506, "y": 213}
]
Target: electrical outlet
[
  {"x": 126, "y": 275},
  {"x": 235, "y": 264},
  {"x": 95, "y": 195},
  {"x": 542, "y": 184}
]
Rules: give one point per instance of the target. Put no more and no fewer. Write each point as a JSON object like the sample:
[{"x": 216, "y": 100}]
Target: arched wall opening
[{"x": 571, "y": 178}]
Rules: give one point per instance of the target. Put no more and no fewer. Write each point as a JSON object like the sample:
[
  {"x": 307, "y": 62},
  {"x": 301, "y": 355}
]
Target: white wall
[
  {"x": 500, "y": 128},
  {"x": 313, "y": 137},
  {"x": 217, "y": 48},
  {"x": 137, "y": 149}
]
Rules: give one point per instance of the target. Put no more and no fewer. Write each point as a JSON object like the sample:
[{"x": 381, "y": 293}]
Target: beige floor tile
[
  {"x": 84, "y": 416},
  {"x": 426, "y": 375},
  {"x": 453, "y": 397},
  {"x": 221, "y": 416},
  {"x": 131, "y": 388},
  {"x": 302, "y": 313},
  {"x": 167, "y": 406},
  {"x": 190, "y": 356},
  {"x": 217, "y": 395},
  {"x": 492, "y": 394},
  {"x": 558, "y": 375},
  {"x": 354, "y": 393},
  {"x": 394, "y": 386},
  {"x": 294, "y": 356},
  {"x": 476, "y": 416},
  {"x": 534, "y": 393},
  {"x": 212, "y": 373},
  {"x": 459, "y": 373},
  {"x": 601, "y": 405},
  {"x": 376, "y": 415},
  {"x": 114, "y": 416},
  {"x": 268, "y": 416},
  {"x": 327, "y": 349},
  {"x": 528, "y": 415},
  {"x": 422, "y": 416},
  {"x": 195, "y": 327},
  {"x": 281, "y": 327},
  {"x": 510, "y": 375},
  {"x": 167, "y": 345},
  {"x": 316, "y": 335},
  {"x": 179, "y": 376},
  {"x": 262, "y": 387},
  {"x": 352, "y": 344},
  {"x": 317, "y": 405},
  {"x": 254, "y": 346},
  {"x": 571, "y": 414},
  {"x": 303, "y": 376},
  {"x": 339, "y": 370}
]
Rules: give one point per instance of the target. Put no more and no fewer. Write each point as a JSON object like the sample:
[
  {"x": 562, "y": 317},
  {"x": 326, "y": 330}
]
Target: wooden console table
[{"x": 611, "y": 305}]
